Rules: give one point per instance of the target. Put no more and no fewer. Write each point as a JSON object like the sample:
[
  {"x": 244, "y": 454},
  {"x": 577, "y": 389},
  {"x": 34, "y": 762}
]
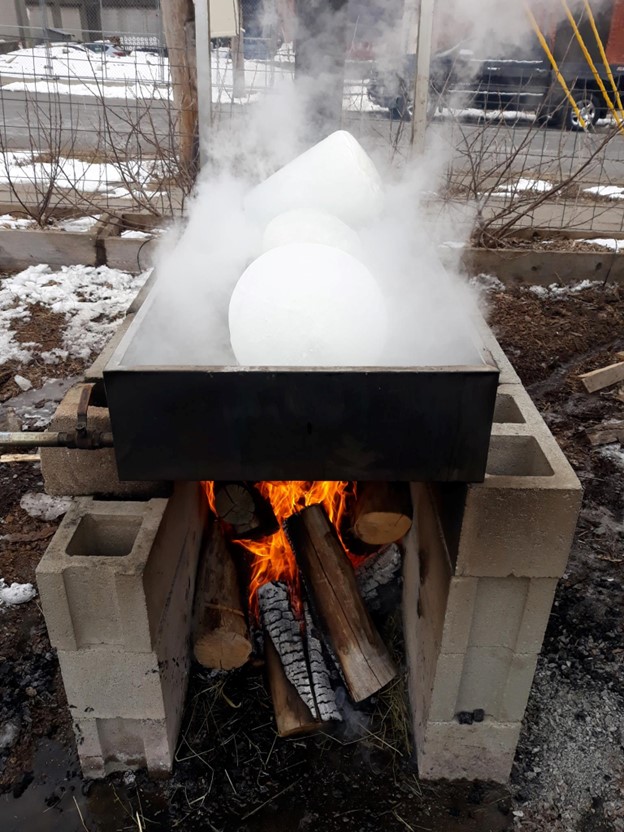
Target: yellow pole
[
  {"x": 553, "y": 63},
  {"x": 603, "y": 54},
  {"x": 590, "y": 62}
]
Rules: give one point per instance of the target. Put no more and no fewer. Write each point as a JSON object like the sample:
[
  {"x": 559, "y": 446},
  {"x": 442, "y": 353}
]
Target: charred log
[
  {"x": 245, "y": 511},
  {"x": 220, "y": 634},
  {"x": 378, "y": 579},
  {"x": 337, "y": 605},
  {"x": 292, "y": 715},
  {"x": 383, "y": 512},
  {"x": 299, "y": 649}
]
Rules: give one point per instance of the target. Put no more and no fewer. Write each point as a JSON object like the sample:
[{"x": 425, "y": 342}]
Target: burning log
[
  {"x": 299, "y": 649},
  {"x": 378, "y": 579},
  {"x": 243, "y": 508},
  {"x": 220, "y": 634},
  {"x": 364, "y": 660},
  {"x": 292, "y": 715},
  {"x": 383, "y": 512}
]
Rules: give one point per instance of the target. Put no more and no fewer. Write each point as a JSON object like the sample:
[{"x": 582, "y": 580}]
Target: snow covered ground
[
  {"x": 91, "y": 299},
  {"x": 70, "y": 69},
  {"x": 19, "y": 168}
]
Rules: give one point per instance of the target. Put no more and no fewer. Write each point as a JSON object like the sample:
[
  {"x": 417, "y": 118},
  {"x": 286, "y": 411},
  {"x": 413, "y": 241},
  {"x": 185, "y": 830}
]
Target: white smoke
[{"x": 428, "y": 306}]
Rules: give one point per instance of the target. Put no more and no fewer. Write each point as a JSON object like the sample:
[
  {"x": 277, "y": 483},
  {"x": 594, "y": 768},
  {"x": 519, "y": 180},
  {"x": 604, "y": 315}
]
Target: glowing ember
[{"x": 273, "y": 559}]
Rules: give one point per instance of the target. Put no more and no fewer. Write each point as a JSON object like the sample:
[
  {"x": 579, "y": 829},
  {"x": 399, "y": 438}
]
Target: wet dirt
[{"x": 231, "y": 771}]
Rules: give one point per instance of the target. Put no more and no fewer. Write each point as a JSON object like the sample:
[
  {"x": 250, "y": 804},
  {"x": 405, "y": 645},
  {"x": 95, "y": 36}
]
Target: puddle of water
[
  {"x": 54, "y": 800},
  {"x": 34, "y": 409}
]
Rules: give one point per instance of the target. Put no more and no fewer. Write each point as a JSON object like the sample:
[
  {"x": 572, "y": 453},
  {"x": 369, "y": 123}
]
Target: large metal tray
[{"x": 231, "y": 423}]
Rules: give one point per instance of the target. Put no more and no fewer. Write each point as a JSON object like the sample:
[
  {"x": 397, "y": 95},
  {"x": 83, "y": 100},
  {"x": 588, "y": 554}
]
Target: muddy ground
[{"x": 233, "y": 774}]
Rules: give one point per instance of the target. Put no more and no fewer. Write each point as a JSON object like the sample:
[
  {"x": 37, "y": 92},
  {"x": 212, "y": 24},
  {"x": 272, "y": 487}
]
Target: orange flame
[{"x": 273, "y": 559}]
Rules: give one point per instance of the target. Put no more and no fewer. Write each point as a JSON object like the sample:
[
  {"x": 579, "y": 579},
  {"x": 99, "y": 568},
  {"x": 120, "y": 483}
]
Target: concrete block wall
[
  {"x": 481, "y": 569},
  {"x": 116, "y": 585}
]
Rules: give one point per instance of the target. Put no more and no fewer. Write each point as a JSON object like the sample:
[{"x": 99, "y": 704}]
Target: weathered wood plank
[
  {"x": 603, "y": 377},
  {"x": 20, "y": 249},
  {"x": 128, "y": 254}
]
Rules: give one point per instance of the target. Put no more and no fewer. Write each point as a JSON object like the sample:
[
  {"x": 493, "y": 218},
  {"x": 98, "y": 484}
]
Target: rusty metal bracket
[{"x": 82, "y": 414}]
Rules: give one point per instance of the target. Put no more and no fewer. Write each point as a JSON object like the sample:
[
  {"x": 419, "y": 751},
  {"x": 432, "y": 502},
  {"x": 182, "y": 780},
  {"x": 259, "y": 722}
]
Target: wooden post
[
  {"x": 178, "y": 18},
  {"x": 337, "y": 605}
]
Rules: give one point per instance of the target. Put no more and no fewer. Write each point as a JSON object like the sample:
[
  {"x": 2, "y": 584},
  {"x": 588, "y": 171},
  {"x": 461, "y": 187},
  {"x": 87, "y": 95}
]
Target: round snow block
[
  {"x": 311, "y": 227},
  {"x": 335, "y": 176},
  {"x": 307, "y": 305}
]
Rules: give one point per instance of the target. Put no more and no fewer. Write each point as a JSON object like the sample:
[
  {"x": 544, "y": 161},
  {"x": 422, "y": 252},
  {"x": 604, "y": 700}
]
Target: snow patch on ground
[
  {"x": 560, "y": 291},
  {"x": 23, "y": 168},
  {"x": 91, "y": 299},
  {"x": 610, "y": 191},
  {"x": 613, "y": 452},
  {"x": 536, "y": 185},
  {"x": 487, "y": 283},
  {"x": 607, "y": 242},
  {"x": 16, "y": 593},
  {"x": 136, "y": 235},
  {"x": 9, "y": 221},
  {"x": 45, "y": 507},
  {"x": 77, "y": 224}
]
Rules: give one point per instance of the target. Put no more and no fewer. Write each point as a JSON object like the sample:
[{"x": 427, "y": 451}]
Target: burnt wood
[
  {"x": 292, "y": 715},
  {"x": 337, "y": 605}
]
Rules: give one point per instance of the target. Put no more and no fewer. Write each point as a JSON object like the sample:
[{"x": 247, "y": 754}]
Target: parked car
[
  {"x": 459, "y": 81},
  {"x": 106, "y": 48}
]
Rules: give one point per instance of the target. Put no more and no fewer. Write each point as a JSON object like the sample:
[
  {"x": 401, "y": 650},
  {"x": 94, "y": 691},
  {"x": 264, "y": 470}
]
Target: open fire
[
  {"x": 320, "y": 556},
  {"x": 272, "y": 556}
]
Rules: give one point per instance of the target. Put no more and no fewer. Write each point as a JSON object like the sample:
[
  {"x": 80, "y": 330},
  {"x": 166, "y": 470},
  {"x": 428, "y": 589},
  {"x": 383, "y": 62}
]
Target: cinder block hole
[
  {"x": 104, "y": 536},
  {"x": 506, "y": 410},
  {"x": 517, "y": 456}
]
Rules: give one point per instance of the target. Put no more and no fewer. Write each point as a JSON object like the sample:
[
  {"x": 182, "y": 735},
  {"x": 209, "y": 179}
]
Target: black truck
[{"x": 459, "y": 80}]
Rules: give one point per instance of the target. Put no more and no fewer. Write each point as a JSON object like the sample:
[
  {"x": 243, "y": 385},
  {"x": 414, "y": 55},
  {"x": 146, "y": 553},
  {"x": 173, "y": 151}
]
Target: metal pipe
[
  {"x": 603, "y": 54},
  {"x": 554, "y": 65},
  {"x": 590, "y": 63},
  {"x": 90, "y": 441}
]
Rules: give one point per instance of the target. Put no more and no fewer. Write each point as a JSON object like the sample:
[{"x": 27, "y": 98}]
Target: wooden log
[
  {"x": 292, "y": 715},
  {"x": 383, "y": 512},
  {"x": 336, "y": 603},
  {"x": 300, "y": 650},
  {"x": 604, "y": 377},
  {"x": 220, "y": 633},
  {"x": 243, "y": 508},
  {"x": 606, "y": 432},
  {"x": 378, "y": 579}
]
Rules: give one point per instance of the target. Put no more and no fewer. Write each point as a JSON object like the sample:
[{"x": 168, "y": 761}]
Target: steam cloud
[{"x": 200, "y": 264}]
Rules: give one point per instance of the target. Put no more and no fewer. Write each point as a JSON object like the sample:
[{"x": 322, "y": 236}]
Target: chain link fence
[{"x": 89, "y": 121}]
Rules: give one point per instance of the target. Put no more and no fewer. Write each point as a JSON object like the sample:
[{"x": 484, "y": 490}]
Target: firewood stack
[{"x": 321, "y": 636}]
